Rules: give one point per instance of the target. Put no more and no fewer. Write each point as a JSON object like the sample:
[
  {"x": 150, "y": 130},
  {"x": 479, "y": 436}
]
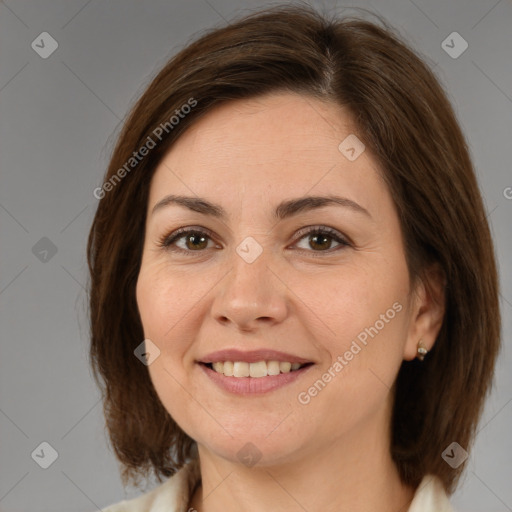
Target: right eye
[{"x": 194, "y": 240}]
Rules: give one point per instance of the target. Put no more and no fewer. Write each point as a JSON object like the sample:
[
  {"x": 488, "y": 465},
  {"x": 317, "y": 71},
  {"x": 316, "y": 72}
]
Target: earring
[{"x": 422, "y": 350}]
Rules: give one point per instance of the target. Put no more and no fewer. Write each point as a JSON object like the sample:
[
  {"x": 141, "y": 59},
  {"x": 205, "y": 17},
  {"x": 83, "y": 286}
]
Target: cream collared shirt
[{"x": 174, "y": 494}]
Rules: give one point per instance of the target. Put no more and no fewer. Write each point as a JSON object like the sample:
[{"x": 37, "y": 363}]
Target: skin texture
[{"x": 305, "y": 299}]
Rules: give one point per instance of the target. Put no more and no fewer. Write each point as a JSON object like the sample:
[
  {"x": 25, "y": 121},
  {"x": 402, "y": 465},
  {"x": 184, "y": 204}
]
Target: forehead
[
  {"x": 302, "y": 124},
  {"x": 276, "y": 144}
]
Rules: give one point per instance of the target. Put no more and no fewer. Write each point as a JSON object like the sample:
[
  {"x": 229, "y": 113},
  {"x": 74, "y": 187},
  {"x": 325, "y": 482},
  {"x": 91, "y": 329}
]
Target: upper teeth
[{"x": 259, "y": 369}]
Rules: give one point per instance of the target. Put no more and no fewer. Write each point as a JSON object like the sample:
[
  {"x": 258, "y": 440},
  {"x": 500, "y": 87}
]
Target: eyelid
[
  {"x": 322, "y": 228},
  {"x": 167, "y": 239}
]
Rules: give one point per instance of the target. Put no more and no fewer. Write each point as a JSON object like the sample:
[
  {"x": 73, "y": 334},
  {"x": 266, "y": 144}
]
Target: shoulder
[
  {"x": 430, "y": 496},
  {"x": 173, "y": 495}
]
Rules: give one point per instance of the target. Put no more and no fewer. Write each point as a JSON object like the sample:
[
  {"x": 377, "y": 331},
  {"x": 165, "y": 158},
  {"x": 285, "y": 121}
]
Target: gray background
[{"x": 58, "y": 118}]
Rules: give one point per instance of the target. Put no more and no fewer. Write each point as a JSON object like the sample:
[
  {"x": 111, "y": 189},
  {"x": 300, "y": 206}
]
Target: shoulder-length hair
[{"x": 404, "y": 118}]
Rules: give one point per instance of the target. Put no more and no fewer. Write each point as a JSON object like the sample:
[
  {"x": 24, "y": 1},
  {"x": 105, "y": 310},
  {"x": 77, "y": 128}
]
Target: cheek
[
  {"x": 163, "y": 301},
  {"x": 162, "y": 310},
  {"x": 365, "y": 308},
  {"x": 356, "y": 297},
  {"x": 364, "y": 358}
]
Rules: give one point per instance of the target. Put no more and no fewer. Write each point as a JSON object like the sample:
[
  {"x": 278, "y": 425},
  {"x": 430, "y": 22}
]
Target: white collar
[{"x": 174, "y": 494}]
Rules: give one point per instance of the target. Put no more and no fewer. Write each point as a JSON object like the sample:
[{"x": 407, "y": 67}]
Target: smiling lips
[
  {"x": 258, "y": 369},
  {"x": 230, "y": 365}
]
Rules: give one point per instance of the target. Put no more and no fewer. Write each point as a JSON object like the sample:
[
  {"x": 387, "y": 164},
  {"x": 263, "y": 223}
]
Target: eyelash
[{"x": 166, "y": 241}]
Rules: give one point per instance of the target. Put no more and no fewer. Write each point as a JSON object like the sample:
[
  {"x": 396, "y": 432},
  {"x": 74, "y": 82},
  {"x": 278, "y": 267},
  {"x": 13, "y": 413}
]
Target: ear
[{"x": 427, "y": 311}]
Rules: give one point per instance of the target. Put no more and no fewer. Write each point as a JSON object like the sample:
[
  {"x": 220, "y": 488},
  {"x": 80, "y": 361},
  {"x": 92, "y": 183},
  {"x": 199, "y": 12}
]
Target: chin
[{"x": 257, "y": 446}]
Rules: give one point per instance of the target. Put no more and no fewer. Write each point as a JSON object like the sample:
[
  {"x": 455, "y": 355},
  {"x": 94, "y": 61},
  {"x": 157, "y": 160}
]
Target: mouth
[
  {"x": 252, "y": 372},
  {"x": 255, "y": 370}
]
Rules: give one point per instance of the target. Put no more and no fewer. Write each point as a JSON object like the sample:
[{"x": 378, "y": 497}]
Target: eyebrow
[{"x": 284, "y": 210}]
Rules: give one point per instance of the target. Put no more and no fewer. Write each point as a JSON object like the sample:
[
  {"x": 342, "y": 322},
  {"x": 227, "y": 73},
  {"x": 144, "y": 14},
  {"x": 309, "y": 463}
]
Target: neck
[{"x": 354, "y": 473}]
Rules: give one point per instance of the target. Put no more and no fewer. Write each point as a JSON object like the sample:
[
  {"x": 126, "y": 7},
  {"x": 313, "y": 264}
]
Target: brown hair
[{"x": 405, "y": 119}]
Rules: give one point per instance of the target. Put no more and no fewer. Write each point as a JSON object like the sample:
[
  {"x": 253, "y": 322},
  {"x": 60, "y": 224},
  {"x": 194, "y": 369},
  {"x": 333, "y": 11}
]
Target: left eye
[
  {"x": 322, "y": 239},
  {"x": 194, "y": 240}
]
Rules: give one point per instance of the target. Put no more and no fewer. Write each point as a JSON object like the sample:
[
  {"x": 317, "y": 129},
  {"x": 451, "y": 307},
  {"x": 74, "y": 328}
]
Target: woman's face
[{"x": 265, "y": 276}]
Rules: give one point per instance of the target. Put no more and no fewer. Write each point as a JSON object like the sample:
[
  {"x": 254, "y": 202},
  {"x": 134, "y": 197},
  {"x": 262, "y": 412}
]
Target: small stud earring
[{"x": 422, "y": 350}]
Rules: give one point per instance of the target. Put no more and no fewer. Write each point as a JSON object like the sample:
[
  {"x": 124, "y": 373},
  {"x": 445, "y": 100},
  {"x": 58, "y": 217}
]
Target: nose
[{"x": 250, "y": 296}]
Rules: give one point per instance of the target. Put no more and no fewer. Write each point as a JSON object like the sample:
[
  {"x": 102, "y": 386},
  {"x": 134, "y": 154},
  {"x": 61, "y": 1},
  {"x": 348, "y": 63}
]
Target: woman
[{"x": 294, "y": 299}]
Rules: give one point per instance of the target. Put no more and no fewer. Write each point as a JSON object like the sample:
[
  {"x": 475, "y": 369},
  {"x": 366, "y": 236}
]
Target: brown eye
[
  {"x": 321, "y": 240},
  {"x": 196, "y": 241},
  {"x": 186, "y": 241}
]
